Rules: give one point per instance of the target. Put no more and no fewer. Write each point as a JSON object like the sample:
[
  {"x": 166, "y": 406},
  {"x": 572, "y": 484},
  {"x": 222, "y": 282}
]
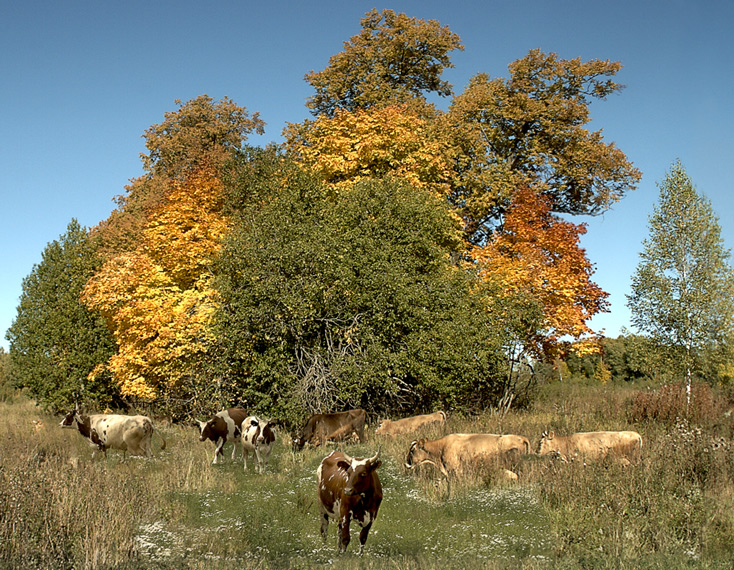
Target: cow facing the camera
[
  {"x": 225, "y": 427},
  {"x": 258, "y": 436},
  {"x": 348, "y": 488}
]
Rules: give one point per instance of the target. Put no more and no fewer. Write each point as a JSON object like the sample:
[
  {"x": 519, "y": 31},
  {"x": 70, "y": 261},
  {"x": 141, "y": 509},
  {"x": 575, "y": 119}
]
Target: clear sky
[{"x": 80, "y": 81}]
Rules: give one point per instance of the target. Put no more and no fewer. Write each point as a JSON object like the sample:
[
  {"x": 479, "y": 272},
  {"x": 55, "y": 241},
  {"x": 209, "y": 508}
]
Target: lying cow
[
  {"x": 591, "y": 445},
  {"x": 258, "y": 437},
  {"x": 409, "y": 425},
  {"x": 224, "y": 427},
  {"x": 337, "y": 426},
  {"x": 454, "y": 452},
  {"x": 348, "y": 488},
  {"x": 105, "y": 431}
]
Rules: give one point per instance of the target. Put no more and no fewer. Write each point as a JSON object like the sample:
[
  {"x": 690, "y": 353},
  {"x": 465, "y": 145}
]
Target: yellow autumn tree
[
  {"x": 158, "y": 300},
  {"x": 371, "y": 143}
]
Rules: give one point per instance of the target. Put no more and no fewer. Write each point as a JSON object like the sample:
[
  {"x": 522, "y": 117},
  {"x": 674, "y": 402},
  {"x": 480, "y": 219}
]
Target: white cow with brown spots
[
  {"x": 113, "y": 431},
  {"x": 258, "y": 436}
]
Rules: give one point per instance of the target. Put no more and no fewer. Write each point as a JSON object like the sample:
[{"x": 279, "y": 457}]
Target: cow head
[
  {"x": 68, "y": 420},
  {"x": 359, "y": 473},
  {"x": 546, "y": 444},
  {"x": 418, "y": 454}
]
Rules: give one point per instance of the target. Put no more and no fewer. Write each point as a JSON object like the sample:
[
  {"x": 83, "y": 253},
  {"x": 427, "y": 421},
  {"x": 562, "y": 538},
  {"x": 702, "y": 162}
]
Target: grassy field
[{"x": 59, "y": 508}]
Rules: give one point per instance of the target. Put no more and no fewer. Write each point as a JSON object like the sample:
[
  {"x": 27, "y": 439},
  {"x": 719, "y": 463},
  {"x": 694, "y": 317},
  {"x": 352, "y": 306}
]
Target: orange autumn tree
[
  {"x": 155, "y": 289},
  {"x": 537, "y": 255},
  {"x": 158, "y": 300}
]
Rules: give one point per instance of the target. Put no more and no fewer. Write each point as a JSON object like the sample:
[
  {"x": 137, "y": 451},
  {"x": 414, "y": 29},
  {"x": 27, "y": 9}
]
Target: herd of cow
[{"x": 349, "y": 488}]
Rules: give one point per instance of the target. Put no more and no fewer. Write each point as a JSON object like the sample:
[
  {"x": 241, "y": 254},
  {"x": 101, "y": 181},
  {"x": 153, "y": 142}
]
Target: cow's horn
[
  {"x": 375, "y": 456},
  {"x": 347, "y": 458}
]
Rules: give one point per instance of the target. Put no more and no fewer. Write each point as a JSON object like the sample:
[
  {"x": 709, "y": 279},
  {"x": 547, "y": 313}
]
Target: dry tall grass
[{"x": 674, "y": 508}]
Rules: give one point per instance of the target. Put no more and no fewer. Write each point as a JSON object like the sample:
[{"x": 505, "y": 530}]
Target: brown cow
[
  {"x": 348, "y": 488},
  {"x": 591, "y": 445},
  {"x": 452, "y": 453},
  {"x": 105, "y": 431},
  {"x": 335, "y": 426},
  {"x": 224, "y": 427},
  {"x": 409, "y": 425}
]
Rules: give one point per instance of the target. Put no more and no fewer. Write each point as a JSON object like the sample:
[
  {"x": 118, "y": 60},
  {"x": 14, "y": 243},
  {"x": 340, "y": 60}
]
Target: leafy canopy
[
  {"x": 55, "y": 341},
  {"x": 393, "y": 59}
]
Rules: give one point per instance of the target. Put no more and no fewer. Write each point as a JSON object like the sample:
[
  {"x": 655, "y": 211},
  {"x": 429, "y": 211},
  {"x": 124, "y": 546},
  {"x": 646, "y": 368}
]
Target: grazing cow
[
  {"x": 105, "y": 431},
  {"x": 348, "y": 488},
  {"x": 409, "y": 425},
  {"x": 337, "y": 426},
  {"x": 258, "y": 436},
  {"x": 224, "y": 427},
  {"x": 591, "y": 445},
  {"x": 450, "y": 454}
]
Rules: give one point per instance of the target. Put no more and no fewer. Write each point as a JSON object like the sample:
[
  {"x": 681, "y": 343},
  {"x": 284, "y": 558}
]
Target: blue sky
[{"x": 80, "y": 81}]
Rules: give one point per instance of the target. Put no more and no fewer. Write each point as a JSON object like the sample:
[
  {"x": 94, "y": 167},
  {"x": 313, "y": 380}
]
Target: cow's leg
[
  {"x": 344, "y": 532},
  {"x": 363, "y": 535},
  {"x": 324, "y": 525},
  {"x": 234, "y": 451},
  {"x": 245, "y": 453},
  {"x": 218, "y": 451}
]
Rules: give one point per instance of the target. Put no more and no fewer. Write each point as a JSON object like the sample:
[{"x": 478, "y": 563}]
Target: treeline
[{"x": 389, "y": 255}]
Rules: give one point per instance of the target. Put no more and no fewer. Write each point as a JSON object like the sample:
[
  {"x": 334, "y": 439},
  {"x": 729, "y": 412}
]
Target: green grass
[{"x": 59, "y": 508}]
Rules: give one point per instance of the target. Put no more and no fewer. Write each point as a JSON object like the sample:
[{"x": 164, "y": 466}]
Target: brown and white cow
[
  {"x": 337, "y": 426},
  {"x": 258, "y": 436},
  {"x": 348, "y": 488},
  {"x": 224, "y": 427},
  {"x": 453, "y": 453},
  {"x": 591, "y": 445},
  {"x": 105, "y": 431},
  {"x": 409, "y": 425}
]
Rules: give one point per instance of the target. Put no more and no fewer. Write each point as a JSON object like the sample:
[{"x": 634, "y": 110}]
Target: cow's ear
[
  {"x": 344, "y": 465},
  {"x": 551, "y": 435},
  {"x": 375, "y": 465}
]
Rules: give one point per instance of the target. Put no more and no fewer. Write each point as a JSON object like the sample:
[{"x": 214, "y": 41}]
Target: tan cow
[
  {"x": 591, "y": 445},
  {"x": 409, "y": 425},
  {"x": 451, "y": 454}
]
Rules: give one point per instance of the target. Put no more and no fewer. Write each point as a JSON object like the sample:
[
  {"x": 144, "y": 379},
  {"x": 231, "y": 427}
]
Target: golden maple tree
[
  {"x": 158, "y": 300},
  {"x": 371, "y": 143}
]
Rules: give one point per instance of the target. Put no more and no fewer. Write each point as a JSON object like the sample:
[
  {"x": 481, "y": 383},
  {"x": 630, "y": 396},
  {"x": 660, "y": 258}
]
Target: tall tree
[
  {"x": 55, "y": 341},
  {"x": 393, "y": 59},
  {"x": 683, "y": 287},
  {"x": 528, "y": 131},
  {"x": 350, "y": 299},
  {"x": 154, "y": 289},
  {"x": 536, "y": 255}
]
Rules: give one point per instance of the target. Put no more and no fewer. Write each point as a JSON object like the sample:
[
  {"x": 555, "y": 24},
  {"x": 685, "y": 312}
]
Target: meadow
[{"x": 674, "y": 508}]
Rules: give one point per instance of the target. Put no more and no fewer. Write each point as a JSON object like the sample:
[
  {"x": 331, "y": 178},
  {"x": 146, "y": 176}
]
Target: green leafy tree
[
  {"x": 528, "y": 131},
  {"x": 349, "y": 301},
  {"x": 55, "y": 341},
  {"x": 394, "y": 59},
  {"x": 683, "y": 287}
]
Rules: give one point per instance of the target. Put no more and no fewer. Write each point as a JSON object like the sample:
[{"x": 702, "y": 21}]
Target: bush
[{"x": 668, "y": 405}]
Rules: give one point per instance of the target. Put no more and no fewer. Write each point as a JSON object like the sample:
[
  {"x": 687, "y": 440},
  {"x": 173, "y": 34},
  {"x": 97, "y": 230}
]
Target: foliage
[
  {"x": 55, "y": 341},
  {"x": 683, "y": 287},
  {"x": 7, "y": 390},
  {"x": 394, "y": 59},
  {"x": 667, "y": 404},
  {"x": 536, "y": 255},
  {"x": 350, "y": 146},
  {"x": 350, "y": 301},
  {"x": 158, "y": 300},
  {"x": 200, "y": 134},
  {"x": 528, "y": 131}
]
